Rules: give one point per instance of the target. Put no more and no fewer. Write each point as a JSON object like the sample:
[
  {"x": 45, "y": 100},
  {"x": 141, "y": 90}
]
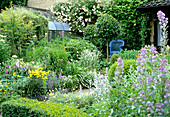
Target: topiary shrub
[
  {"x": 107, "y": 27},
  {"x": 127, "y": 64},
  {"x": 32, "y": 108},
  {"x": 89, "y": 32},
  {"x": 114, "y": 58}
]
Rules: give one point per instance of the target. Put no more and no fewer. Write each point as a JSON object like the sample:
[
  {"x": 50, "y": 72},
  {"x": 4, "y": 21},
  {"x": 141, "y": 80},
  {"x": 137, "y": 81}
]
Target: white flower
[
  {"x": 14, "y": 56},
  {"x": 2, "y": 35}
]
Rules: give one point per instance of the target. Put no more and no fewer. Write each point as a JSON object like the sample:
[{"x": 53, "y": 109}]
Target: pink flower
[
  {"x": 62, "y": 31},
  {"x": 10, "y": 19},
  {"x": 6, "y": 71}
]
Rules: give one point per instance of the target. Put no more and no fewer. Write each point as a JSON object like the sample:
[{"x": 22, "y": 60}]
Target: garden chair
[{"x": 116, "y": 46}]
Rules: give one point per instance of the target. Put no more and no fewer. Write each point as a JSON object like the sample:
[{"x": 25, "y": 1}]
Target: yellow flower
[
  {"x": 105, "y": 65},
  {"x": 6, "y": 86},
  {"x": 14, "y": 74},
  {"x": 28, "y": 77},
  {"x": 53, "y": 96},
  {"x": 0, "y": 89},
  {"x": 8, "y": 82},
  {"x": 4, "y": 90},
  {"x": 18, "y": 76}
]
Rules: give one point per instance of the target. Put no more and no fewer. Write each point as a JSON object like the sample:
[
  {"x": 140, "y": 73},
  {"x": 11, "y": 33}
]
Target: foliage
[
  {"x": 90, "y": 59},
  {"x": 54, "y": 59},
  {"x": 76, "y": 46},
  {"x": 26, "y": 107},
  {"x": 127, "y": 64},
  {"x": 34, "y": 84},
  {"x": 128, "y": 54},
  {"x": 134, "y": 24},
  {"x": 78, "y": 13},
  {"x": 78, "y": 100},
  {"x": 7, "y": 90},
  {"x": 16, "y": 30},
  {"x": 143, "y": 93},
  {"x": 114, "y": 58},
  {"x": 6, "y": 3},
  {"x": 62, "y": 82},
  {"x": 4, "y": 51},
  {"x": 20, "y": 27},
  {"x": 89, "y": 33},
  {"x": 107, "y": 27}
]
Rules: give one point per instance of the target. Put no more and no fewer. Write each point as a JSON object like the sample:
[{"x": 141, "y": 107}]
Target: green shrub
[
  {"x": 53, "y": 59},
  {"x": 107, "y": 27},
  {"x": 34, "y": 84},
  {"x": 114, "y": 58},
  {"x": 127, "y": 64},
  {"x": 75, "y": 46},
  {"x": 128, "y": 54},
  {"x": 78, "y": 100},
  {"x": 25, "y": 108},
  {"x": 89, "y": 32},
  {"x": 4, "y": 51},
  {"x": 22, "y": 28}
]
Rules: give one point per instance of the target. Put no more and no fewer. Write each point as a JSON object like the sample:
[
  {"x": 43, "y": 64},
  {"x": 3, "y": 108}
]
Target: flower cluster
[
  {"x": 38, "y": 73},
  {"x": 163, "y": 21}
]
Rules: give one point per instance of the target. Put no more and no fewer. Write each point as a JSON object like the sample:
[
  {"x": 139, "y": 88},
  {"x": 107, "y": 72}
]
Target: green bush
[
  {"x": 129, "y": 54},
  {"x": 89, "y": 32},
  {"x": 22, "y": 28},
  {"x": 107, "y": 28},
  {"x": 127, "y": 64},
  {"x": 4, "y": 51},
  {"x": 25, "y": 108},
  {"x": 114, "y": 58},
  {"x": 75, "y": 46},
  {"x": 78, "y": 100},
  {"x": 53, "y": 59}
]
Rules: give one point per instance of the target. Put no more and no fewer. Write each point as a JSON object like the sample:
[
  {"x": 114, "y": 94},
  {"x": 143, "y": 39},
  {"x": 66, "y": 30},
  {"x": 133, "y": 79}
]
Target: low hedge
[
  {"x": 32, "y": 108},
  {"x": 126, "y": 67}
]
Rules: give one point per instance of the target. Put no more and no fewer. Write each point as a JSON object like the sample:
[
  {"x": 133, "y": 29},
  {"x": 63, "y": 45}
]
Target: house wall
[{"x": 43, "y": 4}]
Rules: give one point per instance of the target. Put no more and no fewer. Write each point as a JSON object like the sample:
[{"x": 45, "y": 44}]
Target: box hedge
[
  {"x": 126, "y": 67},
  {"x": 32, "y": 108}
]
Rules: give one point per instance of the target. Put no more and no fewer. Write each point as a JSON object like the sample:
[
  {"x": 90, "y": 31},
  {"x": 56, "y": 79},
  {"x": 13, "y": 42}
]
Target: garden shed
[{"x": 153, "y": 7}]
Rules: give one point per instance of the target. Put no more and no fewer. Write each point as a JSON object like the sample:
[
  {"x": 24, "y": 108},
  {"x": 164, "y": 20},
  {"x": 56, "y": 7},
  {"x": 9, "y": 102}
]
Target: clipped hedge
[
  {"x": 126, "y": 67},
  {"x": 32, "y": 108}
]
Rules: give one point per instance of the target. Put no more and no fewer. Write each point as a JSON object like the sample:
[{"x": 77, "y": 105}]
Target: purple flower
[
  {"x": 160, "y": 15},
  {"x": 151, "y": 111},
  {"x": 143, "y": 52},
  {"x": 148, "y": 109},
  {"x": 10, "y": 19},
  {"x": 153, "y": 49}
]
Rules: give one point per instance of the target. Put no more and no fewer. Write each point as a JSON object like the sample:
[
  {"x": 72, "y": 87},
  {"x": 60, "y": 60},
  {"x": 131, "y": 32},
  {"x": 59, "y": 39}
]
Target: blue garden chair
[{"x": 116, "y": 46}]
